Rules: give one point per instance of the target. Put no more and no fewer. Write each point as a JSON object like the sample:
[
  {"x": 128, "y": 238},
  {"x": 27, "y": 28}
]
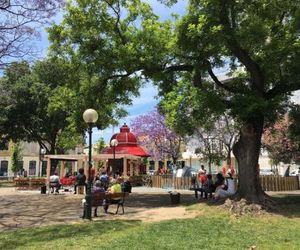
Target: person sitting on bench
[
  {"x": 228, "y": 188},
  {"x": 54, "y": 183},
  {"x": 98, "y": 188},
  {"x": 115, "y": 188},
  {"x": 207, "y": 187}
]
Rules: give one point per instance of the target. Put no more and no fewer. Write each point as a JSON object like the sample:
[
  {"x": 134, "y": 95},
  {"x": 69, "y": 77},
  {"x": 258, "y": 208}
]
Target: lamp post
[
  {"x": 42, "y": 153},
  {"x": 90, "y": 116},
  {"x": 114, "y": 143}
]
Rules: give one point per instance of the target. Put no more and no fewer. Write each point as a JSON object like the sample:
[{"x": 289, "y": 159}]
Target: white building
[{"x": 30, "y": 161}]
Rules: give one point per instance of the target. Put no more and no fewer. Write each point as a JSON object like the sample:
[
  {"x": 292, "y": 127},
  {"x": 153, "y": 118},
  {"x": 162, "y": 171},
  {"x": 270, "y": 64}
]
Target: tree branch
[
  {"x": 253, "y": 68},
  {"x": 219, "y": 83},
  {"x": 182, "y": 67},
  {"x": 117, "y": 24},
  {"x": 281, "y": 89}
]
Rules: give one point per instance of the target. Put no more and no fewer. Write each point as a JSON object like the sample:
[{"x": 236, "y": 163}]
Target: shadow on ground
[{"x": 25, "y": 209}]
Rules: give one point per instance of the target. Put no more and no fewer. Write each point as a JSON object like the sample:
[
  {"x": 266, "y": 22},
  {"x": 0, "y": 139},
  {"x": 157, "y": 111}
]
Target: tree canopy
[{"x": 33, "y": 112}]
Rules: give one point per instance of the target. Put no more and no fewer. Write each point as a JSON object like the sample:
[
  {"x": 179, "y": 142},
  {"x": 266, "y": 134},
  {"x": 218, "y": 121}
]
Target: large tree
[
  {"x": 159, "y": 140},
  {"x": 259, "y": 43},
  {"x": 19, "y": 24},
  {"x": 34, "y": 112},
  {"x": 121, "y": 43}
]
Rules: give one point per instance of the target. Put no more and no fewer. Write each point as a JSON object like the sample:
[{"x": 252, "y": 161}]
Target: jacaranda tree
[{"x": 160, "y": 141}]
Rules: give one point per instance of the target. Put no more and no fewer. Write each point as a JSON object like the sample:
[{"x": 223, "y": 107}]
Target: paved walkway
[{"x": 21, "y": 209}]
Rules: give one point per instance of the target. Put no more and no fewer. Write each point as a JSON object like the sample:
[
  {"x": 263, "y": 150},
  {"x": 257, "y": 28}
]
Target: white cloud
[{"x": 296, "y": 97}]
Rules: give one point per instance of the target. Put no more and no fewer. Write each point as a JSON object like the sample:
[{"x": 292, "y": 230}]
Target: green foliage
[
  {"x": 100, "y": 145},
  {"x": 109, "y": 51},
  {"x": 32, "y": 114},
  {"x": 15, "y": 151}
]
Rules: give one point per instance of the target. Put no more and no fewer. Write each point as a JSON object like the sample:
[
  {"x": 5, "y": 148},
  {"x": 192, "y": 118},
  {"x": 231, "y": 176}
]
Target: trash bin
[
  {"x": 43, "y": 190},
  {"x": 80, "y": 189},
  {"x": 175, "y": 198}
]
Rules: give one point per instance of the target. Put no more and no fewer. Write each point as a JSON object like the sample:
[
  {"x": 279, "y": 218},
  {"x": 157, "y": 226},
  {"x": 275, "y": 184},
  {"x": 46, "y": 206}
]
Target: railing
[
  {"x": 169, "y": 181},
  {"x": 278, "y": 183},
  {"x": 268, "y": 183},
  {"x": 28, "y": 183}
]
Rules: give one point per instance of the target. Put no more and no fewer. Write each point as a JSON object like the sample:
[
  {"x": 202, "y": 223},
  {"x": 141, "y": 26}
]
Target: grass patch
[
  {"x": 214, "y": 229},
  {"x": 288, "y": 205}
]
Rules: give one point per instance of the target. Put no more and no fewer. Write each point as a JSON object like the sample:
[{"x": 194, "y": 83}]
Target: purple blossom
[{"x": 153, "y": 134}]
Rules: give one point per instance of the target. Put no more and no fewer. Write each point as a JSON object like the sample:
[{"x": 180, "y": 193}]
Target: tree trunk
[
  {"x": 246, "y": 151},
  {"x": 209, "y": 165},
  {"x": 228, "y": 157}
]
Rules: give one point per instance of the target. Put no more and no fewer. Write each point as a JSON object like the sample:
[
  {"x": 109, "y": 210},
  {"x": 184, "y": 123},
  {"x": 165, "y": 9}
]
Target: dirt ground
[{"x": 21, "y": 209}]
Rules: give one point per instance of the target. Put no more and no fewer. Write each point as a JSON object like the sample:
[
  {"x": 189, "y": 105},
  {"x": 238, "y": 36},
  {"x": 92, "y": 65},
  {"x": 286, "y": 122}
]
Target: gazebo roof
[{"x": 127, "y": 144}]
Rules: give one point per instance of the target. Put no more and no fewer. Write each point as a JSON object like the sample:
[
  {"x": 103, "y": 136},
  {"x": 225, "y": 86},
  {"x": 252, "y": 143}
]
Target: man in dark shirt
[{"x": 80, "y": 180}]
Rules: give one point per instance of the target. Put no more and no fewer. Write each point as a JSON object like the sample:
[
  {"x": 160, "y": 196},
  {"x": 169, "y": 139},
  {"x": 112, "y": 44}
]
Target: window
[
  {"x": 4, "y": 168},
  {"x": 32, "y": 167},
  {"x": 151, "y": 165},
  {"x": 21, "y": 167}
]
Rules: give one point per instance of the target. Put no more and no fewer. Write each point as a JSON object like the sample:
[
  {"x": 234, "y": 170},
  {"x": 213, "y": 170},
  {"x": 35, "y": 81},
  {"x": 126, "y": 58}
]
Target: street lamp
[
  {"x": 41, "y": 155},
  {"x": 90, "y": 116},
  {"x": 114, "y": 143}
]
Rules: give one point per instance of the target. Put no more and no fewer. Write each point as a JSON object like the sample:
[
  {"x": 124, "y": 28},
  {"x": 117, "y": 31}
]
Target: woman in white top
[{"x": 230, "y": 184}]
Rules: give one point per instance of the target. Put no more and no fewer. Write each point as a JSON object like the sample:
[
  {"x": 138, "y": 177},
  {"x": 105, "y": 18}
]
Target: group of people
[
  {"x": 101, "y": 183},
  {"x": 115, "y": 186},
  {"x": 101, "y": 179},
  {"x": 222, "y": 187}
]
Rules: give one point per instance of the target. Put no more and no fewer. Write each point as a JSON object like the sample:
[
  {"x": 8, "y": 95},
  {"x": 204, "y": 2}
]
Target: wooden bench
[
  {"x": 105, "y": 199},
  {"x": 206, "y": 194}
]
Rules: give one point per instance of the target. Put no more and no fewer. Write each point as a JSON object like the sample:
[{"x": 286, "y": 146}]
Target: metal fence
[{"x": 269, "y": 183}]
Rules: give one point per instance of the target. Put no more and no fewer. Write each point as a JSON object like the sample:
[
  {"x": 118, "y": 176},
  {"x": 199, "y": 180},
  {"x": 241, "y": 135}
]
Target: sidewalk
[
  {"x": 153, "y": 190},
  {"x": 21, "y": 209}
]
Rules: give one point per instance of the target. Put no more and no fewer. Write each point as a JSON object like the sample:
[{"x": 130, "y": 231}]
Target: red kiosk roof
[{"x": 127, "y": 144}]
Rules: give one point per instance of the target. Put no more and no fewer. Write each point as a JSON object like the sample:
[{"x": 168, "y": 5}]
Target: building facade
[{"x": 31, "y": 162}]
